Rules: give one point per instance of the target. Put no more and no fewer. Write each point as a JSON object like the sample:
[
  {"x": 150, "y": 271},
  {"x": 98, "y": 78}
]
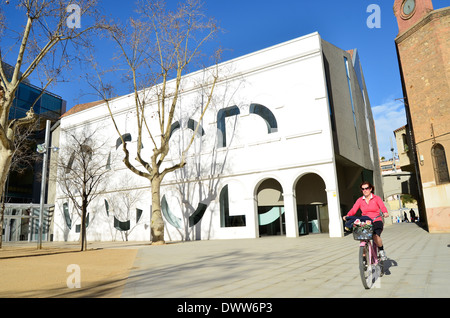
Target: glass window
[
  {"x": 70, "y": 163},
  {"x": 67, "y": 215},
  {"x": 24, "y": 105},
  {"x": 221, "y": 126},
  {"x": 265, "y": 114},
  {"x": 121, "y": 226},
  {"x": 108, "y": 162},
  {"x": 126, "y": 137},
  {"x": 138, "y": 215},
  {"x": 440, "y": 164},
  {"x": 347, "y": 69},
  {"x": 198, "y": 214},
  {"x": 192, "y": 124},
  {"x": 172, "y": 219},
  {"x": 78, "y": 226},
  {"x": 107, "y": 207},
  {"x": 28, "y": 94},
  {"x": 405, "y": 143},
  {"x": 175, "y": 126},
  {"x": 51, "y": 103},
  {"x": 225, "y": 219}
]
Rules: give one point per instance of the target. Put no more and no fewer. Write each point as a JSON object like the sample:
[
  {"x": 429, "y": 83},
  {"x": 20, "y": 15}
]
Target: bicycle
[{"x": 370, "y": 262}]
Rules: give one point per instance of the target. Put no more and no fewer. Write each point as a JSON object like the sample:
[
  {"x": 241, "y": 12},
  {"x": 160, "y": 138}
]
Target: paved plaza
[
  {"x": 268, "y": 267},
  {"x": 280, "y": 267}
]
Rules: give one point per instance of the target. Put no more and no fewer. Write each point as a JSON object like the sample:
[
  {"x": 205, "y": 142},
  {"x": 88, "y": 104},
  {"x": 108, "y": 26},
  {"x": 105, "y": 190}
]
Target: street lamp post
[{"x": 43, "y": 148}]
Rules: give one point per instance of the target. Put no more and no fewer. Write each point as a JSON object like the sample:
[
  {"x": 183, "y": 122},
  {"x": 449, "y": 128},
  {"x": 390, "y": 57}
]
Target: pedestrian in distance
[
  {"x": 405, "y": 218},
  {"x": 412, "y": 214},
  {"x": 372, "y": 206}
]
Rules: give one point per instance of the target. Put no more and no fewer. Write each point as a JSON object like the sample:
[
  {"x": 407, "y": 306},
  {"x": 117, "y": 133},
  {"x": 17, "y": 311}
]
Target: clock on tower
[
  {"x": 409, "y": 12},
  {"x": 408, "y": 8}
]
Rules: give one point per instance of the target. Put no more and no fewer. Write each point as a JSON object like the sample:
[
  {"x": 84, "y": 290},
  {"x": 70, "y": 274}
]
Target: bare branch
[
  {"x": 82, "y": 171},
  {"x": 158, "y": 47}
]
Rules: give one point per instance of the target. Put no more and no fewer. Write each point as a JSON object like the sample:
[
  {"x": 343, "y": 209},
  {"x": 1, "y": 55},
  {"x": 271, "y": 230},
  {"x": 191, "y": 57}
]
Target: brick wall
[{"x": 425, "y": 60}]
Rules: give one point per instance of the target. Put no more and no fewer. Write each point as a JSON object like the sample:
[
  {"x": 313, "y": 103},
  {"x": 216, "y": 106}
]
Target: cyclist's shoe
[{"x": 383, "y": 256}]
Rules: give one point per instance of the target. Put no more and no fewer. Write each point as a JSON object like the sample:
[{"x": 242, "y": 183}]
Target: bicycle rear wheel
[{"x": 365, "y": 266}]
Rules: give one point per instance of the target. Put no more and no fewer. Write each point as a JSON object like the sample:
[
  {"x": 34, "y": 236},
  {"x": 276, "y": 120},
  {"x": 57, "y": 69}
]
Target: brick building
[{"x": 423, "y": 46}]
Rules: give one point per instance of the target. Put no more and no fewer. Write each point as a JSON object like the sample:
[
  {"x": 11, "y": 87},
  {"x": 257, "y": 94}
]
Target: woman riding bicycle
[{"x": 370, "y": 205}]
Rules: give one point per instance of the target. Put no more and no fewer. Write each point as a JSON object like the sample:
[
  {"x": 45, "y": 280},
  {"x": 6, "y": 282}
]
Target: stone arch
[
  {"x": 270, "y": 207},
  {"x": 311, "y": 203}
]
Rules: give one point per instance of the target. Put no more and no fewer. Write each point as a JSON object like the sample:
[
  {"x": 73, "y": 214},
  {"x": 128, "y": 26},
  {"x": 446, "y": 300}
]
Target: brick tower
[{"x": 423, "y": 46}]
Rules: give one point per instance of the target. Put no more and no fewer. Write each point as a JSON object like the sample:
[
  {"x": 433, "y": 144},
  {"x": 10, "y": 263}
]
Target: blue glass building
[{"x": 25, "y": 187}]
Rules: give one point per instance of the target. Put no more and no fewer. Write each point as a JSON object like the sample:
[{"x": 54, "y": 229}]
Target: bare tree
[
  {"x": 24, "y": 157},
  {"x": 42, "y": 45},
  {"x": 82, "y": 171},
  {"x": 157, "y": 49}
]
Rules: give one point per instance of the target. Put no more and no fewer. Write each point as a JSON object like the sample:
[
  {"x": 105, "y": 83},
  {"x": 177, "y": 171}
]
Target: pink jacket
[{"x": 371, "y": 209}]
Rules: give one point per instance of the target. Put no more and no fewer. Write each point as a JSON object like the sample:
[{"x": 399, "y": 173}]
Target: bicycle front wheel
[{"x": 365, "y": 266}]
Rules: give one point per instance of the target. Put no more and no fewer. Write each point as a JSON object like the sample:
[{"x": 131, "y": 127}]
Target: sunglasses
[{"x": 367, "y": 188}]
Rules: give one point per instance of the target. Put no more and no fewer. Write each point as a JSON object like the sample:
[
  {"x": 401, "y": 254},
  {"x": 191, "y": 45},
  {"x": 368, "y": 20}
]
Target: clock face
[{"x": 408, "y": 7}]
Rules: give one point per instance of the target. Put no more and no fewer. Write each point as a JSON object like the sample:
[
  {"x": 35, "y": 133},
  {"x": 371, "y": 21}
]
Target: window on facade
[
  {"x": 67, "y": 215},
  {"x": 78, "y": 226},
  {"x": 192, "y": 125},
  {"x": 198, "y": 214},
  {"x": 85, "y": 154},
  {"x": 347, "y": 68},
  {"x": 70, "y": 163},
  {"x": 267, "y": 115},
  {"x": 221, "y": 124},
  {"x": 405, "y": 143},
  {"x": 138, "y": 214},
  {"x": 121, "y": 226},
  {"x": 49, "y": 105},
  {"x": 126, "y": 137},
  {"x": 440, "y": 164},
  {"x": 108, "y": 162},
  {"x": 172, "y": 219},
  {"x": 176, "y": 125},
  {"x": 225, "y": 219},
  {"x": 107, "y": 207}
]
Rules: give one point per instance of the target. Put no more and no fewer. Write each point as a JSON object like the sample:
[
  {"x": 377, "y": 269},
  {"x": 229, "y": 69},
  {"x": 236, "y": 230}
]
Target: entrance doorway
[
  {"x": 271, "y": 217},
  {"x": 21, "y": 222},
  {"x": 308, "y": 219},
  {"x": 312, "y": 207}
]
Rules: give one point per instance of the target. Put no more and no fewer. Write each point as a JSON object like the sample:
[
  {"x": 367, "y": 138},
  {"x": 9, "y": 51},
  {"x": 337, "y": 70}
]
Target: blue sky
[{"x": 252, "y": 25}]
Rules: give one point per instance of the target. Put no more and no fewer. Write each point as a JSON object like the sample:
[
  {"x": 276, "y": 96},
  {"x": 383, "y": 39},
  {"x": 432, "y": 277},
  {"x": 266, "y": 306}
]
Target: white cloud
[{"x": 388, "y": 117}]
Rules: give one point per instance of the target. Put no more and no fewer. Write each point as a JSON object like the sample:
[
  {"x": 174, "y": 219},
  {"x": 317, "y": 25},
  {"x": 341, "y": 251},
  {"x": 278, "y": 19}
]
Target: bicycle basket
[{"x": 360, "y": 233}]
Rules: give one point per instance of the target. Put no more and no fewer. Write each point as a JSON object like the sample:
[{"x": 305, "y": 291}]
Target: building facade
[
  {"x": 423, "y": 48},
  {"x": 282, "y": 151},
  {"x": 23, "y": 186}
]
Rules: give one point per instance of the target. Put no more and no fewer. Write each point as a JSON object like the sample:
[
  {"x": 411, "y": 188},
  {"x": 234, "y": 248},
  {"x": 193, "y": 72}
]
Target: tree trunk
[
  {"x": 5, "y": 163},
  {"x": 83, "y": 227},
  {"x": 157, "y": 222},
  {"x": 2, "y": 220}
]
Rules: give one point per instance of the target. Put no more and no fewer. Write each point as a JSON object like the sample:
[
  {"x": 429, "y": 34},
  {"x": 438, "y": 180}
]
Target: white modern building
[{"x": 282, "y": 151}]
